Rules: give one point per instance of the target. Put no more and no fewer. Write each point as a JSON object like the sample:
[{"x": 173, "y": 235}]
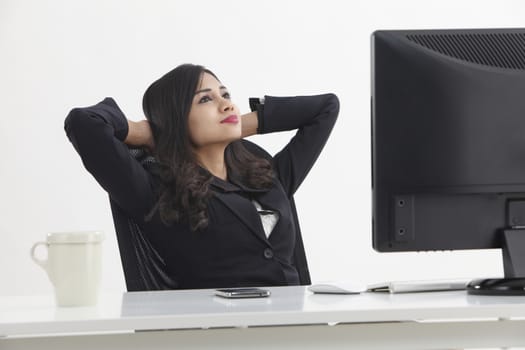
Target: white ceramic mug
[{"x": 74, "y": 265}]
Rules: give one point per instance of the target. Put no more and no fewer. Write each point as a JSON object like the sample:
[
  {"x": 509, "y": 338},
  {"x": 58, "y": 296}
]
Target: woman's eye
[
  {"x": 226, "y": 95},
  {"x": 204, "y": 99}
]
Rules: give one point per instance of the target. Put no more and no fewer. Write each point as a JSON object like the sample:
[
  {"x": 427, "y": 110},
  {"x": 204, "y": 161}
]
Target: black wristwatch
[{"x": 255, "y": 102}]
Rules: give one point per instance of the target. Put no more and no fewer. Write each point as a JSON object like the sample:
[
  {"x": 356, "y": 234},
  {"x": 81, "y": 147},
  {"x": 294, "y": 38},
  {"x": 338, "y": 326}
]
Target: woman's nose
[{"x": 227, "y": 105}]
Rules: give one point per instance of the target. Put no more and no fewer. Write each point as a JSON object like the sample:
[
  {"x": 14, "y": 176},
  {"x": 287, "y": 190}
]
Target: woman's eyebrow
[{"x": 208, "y": 90}]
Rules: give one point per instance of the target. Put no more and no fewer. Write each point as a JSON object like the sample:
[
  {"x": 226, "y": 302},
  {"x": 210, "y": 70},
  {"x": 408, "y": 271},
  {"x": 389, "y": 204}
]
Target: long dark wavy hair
[{"x": 184, "y": 190}]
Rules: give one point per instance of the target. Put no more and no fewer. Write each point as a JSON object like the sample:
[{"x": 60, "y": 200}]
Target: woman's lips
[{"x": 231, "y": 119}]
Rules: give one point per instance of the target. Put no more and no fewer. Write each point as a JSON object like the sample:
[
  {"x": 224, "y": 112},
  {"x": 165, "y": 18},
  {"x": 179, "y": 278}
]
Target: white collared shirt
[{"x": 269, "y": 218}]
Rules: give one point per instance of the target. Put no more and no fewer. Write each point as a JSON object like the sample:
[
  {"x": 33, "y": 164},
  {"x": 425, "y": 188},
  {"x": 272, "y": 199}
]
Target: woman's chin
[{"x": 234, "y": 137}]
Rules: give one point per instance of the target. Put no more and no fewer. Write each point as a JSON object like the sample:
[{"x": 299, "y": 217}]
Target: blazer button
[{"x": 268, "y": 253}]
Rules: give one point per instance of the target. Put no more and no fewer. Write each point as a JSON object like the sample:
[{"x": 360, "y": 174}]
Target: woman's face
[{"x": 213, "y": 118}]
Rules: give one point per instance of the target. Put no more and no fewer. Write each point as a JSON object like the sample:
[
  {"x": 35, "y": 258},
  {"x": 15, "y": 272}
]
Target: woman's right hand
[{"x": 140, "y": 134}]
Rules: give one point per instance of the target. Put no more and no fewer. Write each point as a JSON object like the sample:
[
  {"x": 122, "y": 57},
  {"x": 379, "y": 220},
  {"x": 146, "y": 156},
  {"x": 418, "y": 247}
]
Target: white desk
[{"x": 291, "y": 318}]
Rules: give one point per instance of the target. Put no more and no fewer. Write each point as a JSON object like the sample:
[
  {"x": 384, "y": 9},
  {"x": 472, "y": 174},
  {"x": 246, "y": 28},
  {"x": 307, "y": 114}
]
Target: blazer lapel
[{"x": 245, "y": 211}]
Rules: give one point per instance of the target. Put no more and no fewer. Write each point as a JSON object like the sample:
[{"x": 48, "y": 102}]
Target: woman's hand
[{"x": 140, "y": 134}]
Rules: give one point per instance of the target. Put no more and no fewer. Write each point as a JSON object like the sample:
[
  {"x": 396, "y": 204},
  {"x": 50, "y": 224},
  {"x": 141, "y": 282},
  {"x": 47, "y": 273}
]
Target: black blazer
[{"x": 233, "y": 250}]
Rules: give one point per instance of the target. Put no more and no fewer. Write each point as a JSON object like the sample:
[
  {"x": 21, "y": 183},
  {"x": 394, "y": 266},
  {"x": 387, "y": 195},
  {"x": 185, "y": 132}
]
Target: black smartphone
[{"x": 234, "y": 293}]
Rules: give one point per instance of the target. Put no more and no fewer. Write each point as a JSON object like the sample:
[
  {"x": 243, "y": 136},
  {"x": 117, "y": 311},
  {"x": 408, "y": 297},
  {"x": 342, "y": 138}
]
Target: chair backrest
[{"x": 144, "y": 268}]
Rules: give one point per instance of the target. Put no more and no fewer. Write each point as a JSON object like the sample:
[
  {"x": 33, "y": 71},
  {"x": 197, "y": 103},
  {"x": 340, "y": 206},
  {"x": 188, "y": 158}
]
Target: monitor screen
[{"x": 448, "y": 138}]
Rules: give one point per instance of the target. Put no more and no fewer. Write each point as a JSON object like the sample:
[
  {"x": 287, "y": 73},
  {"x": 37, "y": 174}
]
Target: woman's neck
[{"x": 212, "y": 159}]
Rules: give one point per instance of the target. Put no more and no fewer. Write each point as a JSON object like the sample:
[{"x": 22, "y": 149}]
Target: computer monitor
[{"x": 448, "y": 145}]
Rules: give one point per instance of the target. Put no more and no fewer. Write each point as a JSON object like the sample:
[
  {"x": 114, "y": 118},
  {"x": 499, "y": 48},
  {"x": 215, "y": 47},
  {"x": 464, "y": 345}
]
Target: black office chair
[{"x": 144, "y": 268}]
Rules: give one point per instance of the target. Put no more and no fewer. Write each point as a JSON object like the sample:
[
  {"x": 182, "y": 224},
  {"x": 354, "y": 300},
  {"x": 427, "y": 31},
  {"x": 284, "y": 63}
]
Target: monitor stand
[{"x": 513, "y": 265}]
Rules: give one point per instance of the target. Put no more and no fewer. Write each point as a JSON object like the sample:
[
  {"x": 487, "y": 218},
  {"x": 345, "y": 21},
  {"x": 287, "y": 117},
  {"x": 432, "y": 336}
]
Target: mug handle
[{"x": 41, "y": 262}]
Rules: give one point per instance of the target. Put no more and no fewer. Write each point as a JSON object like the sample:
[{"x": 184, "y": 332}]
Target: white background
[{"x": 55, "y": 55}]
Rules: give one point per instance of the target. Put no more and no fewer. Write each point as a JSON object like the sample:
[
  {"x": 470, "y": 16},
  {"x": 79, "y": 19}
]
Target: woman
[{"x": 218, "y": 214}]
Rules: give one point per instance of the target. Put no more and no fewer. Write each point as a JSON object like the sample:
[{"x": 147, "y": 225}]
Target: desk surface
[{"x": 121, "y": 312}]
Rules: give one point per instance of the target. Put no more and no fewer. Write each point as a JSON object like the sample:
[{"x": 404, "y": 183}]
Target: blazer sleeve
[
  {"x": 313, "y": 117},
  {"x": 97, "y": 134}
]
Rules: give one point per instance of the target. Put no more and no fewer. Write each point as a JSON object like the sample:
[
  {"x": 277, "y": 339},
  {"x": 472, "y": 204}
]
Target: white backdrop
[{"x": 58, "y": 54}]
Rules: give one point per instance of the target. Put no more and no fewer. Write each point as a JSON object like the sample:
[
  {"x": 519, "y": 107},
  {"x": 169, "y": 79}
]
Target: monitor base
[{"x": 497, "y": 286}]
